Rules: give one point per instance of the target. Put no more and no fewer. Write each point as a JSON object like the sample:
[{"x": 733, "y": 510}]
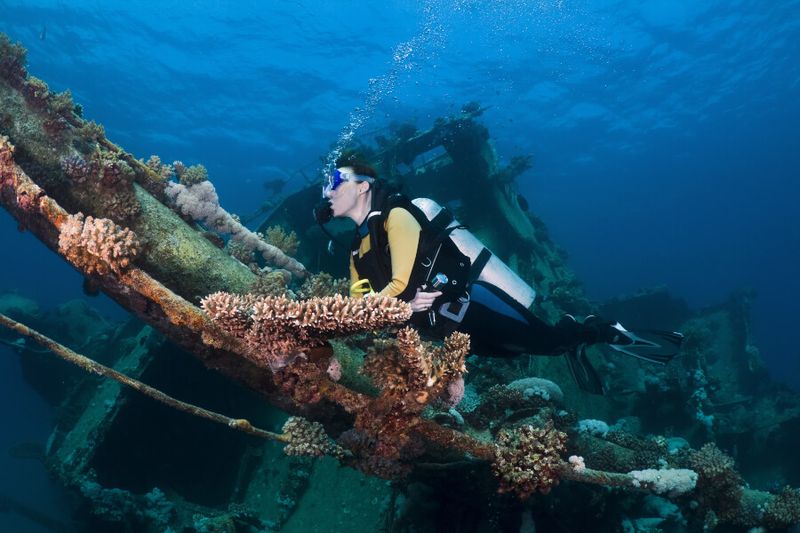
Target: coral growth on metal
[
  {"x": 278, "y": 329},
  {"x": 411, "y": 374},
  {"x": 529, "y": 459},
  {"x": 97, "y": 245}
]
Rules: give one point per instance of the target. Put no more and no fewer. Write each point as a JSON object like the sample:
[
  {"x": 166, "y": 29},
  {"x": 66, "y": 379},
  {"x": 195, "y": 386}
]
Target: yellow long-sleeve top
[{"x": 403, "y": 231}]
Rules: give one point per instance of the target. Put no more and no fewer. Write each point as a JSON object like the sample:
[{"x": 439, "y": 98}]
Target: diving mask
[{"x": 337, "y": 177}]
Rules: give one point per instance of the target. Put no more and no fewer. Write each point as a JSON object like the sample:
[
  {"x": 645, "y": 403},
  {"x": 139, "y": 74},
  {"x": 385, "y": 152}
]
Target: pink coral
[
  {"x": 277, "y": 329},
  {"x": 97, "y": 245}
]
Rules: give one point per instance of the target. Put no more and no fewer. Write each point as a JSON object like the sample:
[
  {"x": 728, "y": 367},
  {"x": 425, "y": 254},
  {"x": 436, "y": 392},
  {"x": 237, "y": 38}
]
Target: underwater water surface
[{"x": 663, "y": 134}]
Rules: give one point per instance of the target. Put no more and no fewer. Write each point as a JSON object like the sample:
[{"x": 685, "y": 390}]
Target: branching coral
[
  {"x": 277, "y": 329},
  {"x": 309, "y": 438},
  {"x": 200, "y": 202},
  {"x": 288, "y": 243},
  {"x": 529, "y": 459},
  {"x": 408, "y": 365},
  {"x": 97, "y": 246},
  {"x": 410, "y": 374}
]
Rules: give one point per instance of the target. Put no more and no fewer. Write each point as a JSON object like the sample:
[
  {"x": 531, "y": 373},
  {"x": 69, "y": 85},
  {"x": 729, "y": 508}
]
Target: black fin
[
  {"x": 582, "y": 370},
  {"x": 655, "y": 346}
]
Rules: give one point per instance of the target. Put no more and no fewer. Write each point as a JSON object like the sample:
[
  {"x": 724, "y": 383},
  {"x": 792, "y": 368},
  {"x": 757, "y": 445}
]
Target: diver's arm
[
  {"x": 403, "y": 231},
  {"x": 354, "y": 279}
]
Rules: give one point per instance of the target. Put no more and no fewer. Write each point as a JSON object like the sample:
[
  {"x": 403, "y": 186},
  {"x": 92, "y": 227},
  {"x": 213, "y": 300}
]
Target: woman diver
[{"x": 398, "y": 252}]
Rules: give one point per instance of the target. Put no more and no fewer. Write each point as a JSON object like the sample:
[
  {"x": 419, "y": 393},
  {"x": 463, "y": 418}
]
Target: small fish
[{"x": 43, "y": 33}]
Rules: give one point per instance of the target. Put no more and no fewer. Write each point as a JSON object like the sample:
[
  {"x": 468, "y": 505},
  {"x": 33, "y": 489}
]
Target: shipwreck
[{"x": 243, "y": 327}]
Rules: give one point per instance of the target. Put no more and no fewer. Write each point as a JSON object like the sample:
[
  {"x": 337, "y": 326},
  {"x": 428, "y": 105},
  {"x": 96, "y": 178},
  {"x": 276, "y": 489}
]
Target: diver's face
[
  {"x": 344, "y": 198},
  {"x": 347, "y": 196}
]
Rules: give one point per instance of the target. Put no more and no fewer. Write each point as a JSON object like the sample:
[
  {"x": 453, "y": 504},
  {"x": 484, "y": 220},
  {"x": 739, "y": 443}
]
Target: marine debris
[{"x": 361, "y": 387}]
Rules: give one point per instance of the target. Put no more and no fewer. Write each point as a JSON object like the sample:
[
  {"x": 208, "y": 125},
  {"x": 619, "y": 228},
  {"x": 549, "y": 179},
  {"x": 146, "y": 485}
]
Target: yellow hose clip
[{"x": 361, "y": 287}]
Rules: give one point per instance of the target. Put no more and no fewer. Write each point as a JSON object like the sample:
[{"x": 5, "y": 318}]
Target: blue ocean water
[{"x": 663, "y": 133}]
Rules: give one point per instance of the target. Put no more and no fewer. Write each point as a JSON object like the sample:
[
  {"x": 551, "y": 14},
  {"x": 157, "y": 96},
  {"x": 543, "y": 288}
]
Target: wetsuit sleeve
[
  {"x": 403, "y": 231},
  {"x": 353, "y": 278}
]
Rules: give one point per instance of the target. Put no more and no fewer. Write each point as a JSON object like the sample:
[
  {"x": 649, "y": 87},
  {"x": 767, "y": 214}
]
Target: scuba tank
[{"x": 493, "y": 271}]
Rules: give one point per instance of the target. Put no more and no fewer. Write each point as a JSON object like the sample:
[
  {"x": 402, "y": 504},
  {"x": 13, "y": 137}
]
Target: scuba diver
[{"x": 417, "y": 252}]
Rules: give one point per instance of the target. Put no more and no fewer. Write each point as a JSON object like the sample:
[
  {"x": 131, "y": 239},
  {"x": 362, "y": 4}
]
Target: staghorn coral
[
  {"x": 97, "y": 246},
  {"x": 277, "y": 329},
  {"x": 200, "y": 202},
  {"x": 309, "y": 438},
  {"x": 528, "y": 459},
  {"x": 713, "y": 465},
  {"x": 288, "y": 243}
]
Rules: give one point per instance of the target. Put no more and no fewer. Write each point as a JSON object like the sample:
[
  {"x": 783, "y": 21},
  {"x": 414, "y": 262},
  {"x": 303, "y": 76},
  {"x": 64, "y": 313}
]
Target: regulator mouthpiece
[{"x": 323, "y": 212}]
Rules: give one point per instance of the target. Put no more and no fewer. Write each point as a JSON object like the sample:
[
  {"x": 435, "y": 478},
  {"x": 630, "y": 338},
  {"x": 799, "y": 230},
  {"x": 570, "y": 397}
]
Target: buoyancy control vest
[
  {"x": 436, "y": 253},
  {"x": 446, "y": 250}
]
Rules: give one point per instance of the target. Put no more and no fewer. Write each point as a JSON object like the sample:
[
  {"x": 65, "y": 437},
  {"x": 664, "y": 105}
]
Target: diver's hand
[{"x": 423, "y": 300}]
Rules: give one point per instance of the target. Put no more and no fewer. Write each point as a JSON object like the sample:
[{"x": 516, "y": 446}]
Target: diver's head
[{"x": 349, "y": 190}]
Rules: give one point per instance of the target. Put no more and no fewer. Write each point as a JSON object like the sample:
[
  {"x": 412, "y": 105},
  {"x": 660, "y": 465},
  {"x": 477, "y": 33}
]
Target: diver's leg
[{"x": 498, "y": 325}]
